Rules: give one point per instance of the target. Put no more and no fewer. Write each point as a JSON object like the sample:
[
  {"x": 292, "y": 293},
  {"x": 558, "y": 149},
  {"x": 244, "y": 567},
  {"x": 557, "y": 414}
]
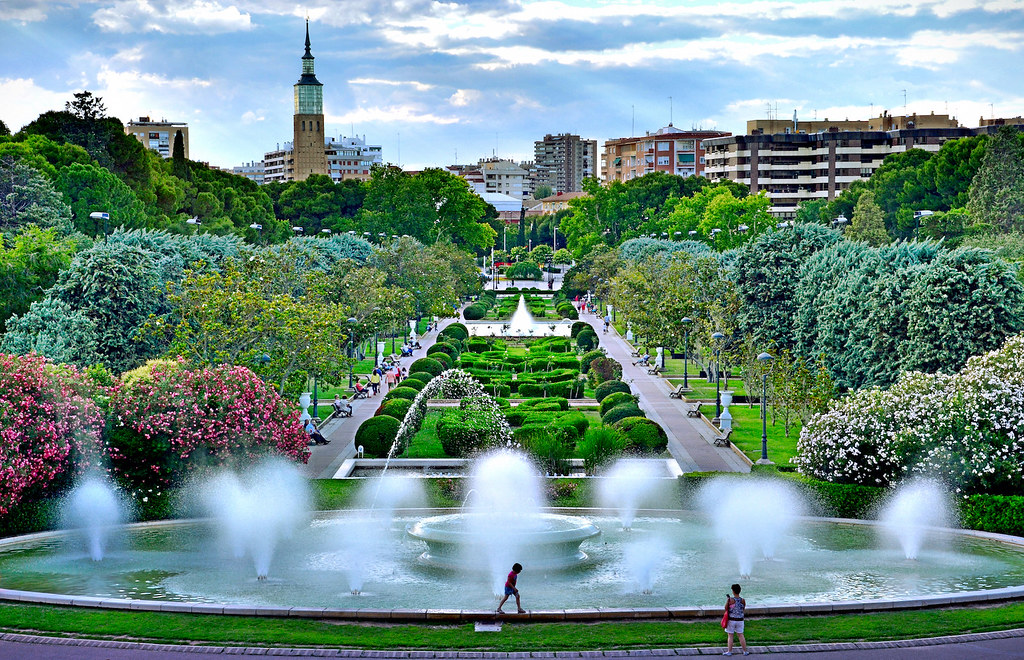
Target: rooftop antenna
[
  {"x": 399, "y": 148},
  {"x": 670, "y": 111},
  {"x": 632, "y": 126},
  {"x": 904, "y": 103},
  {"x": 991, "y": 111}
]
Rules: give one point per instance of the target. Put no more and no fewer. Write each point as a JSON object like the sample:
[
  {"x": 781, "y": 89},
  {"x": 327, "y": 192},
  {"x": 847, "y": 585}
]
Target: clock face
[{"x": 309, "y": 100}]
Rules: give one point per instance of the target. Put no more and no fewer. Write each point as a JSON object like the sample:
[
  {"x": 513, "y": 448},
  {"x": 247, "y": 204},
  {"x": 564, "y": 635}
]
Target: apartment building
[
  {"x": 496, "y": 175},
  {"x": 798, "y": 161},
  {"x": 562, "y": 161},
  {"x": 253, "y": 170},
  {"x": 668, "y": 149},
  {"x": 158, "y": 135},
  {"x": 347, "y": 158}
]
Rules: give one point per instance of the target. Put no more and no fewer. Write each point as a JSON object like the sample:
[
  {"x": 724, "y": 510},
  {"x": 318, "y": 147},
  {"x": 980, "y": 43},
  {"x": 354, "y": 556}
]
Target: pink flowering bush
[
  {"x": 966, "y": 429},
  {"x": 49, "y": 427},
  {"x": 168, "y": 420}
]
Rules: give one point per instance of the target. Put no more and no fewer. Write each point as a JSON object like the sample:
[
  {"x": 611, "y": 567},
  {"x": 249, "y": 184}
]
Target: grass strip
[{"x": 248, "y": 631}]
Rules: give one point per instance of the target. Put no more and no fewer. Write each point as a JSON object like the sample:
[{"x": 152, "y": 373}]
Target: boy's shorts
[
  {"x": 734, "y": 627},
  {"x": 509, "y": 591}
]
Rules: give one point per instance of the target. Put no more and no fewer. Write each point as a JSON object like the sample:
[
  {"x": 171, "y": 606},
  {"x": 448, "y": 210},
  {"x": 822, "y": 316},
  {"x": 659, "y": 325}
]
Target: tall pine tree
[
  {"x": 996, "y": 196},
  {"x": 179, "y": 164},
  {"x": 868, "y": 223}
]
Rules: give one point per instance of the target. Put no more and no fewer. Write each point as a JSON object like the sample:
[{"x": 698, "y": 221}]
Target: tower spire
[{"x": 307, "y": 53}]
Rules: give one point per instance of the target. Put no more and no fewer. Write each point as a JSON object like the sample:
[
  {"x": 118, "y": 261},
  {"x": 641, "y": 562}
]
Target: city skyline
[{"x": 429, "y": 80}]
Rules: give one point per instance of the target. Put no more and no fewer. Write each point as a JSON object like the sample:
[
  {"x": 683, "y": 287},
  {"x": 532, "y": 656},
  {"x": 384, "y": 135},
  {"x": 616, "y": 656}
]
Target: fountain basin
[{"x": 548, "y": 540}]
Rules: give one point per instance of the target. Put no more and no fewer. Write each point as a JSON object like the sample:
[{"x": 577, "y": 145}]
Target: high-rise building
[
  {"x": 158, "y": 135},
  {"x": 347, "y": 158},
  {"x": 796, "y": 161},
  {"x": 668, "y": 149},
  {"x": 563, "y": 161},
  {"x": 308, "y": 154},
  {"x": 495, "y": 175}
]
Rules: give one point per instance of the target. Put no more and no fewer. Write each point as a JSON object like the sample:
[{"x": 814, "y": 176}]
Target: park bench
[
  {"x": 694, "y": 411},
  {"x": 677, "y": 393},
  {"x": 724, "y": 440},
  {"x": 654, "y": 371}
]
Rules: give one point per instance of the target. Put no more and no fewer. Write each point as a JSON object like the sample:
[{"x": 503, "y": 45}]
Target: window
[
  {"x": 685, "y": 158},
  {"x": 664, "y": 146},
  {"x": 663, "y": 160},
  {"x": 684, "y": 145}
]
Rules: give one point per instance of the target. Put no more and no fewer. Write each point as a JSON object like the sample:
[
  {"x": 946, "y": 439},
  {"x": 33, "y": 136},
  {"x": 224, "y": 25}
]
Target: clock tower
[{"x": 308, "y": 146}]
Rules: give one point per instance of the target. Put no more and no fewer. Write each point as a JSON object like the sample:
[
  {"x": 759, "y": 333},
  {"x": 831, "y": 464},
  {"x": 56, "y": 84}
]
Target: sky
[{"x": 437, "y": 82}]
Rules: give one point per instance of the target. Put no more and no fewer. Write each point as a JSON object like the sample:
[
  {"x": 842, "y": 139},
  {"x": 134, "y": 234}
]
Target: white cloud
[
  {"x": 418, "y": 86},
  {"x": 464, "y": 97},
  {"x": 190, "y": 17},
  {"x": 33, "y": 100},
  {"x": 404, "y": 114},
  {"x": 249, "y": 117}
]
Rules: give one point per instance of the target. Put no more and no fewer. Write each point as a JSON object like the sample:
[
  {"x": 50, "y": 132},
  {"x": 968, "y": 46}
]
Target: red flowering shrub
[
  {"x": 169, "y": 420},
  {"x": 48, "y": 427}
]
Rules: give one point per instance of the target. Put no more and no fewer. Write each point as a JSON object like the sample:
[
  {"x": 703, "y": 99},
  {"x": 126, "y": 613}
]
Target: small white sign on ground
[{"x": 487, "y": 627}]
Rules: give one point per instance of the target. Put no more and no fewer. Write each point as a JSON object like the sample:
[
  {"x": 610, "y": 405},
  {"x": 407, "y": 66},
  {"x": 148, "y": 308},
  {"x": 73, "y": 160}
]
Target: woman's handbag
[{"x": 725, "y": 619}]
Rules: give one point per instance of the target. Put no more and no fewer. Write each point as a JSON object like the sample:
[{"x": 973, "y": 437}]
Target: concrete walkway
[
  {"x": 690, "y": 439},
  {"x": 324, "y": 460}
]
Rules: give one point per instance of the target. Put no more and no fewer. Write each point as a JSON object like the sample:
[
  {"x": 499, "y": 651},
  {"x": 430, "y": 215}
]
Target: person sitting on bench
[
  {"x": 406, "y": 350},
  {"x": 644, "y": 361},
  {"x": 315, "y": 437},
  {"x": 361, "y": 392},
  {"x": 342, "y": 408}
]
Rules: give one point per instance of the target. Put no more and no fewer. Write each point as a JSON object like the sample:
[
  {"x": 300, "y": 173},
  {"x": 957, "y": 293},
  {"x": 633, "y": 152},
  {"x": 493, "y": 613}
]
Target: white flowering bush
[{"x": 966, "y": 429}]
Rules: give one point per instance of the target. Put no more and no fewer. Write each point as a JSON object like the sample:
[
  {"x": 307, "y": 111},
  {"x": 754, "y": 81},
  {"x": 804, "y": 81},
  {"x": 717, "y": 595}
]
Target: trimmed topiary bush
[
  {"x": 578, "y": 327},
  {"x": 430, "y": 365},
  {"x": 422, "y": 376},
  {"x": 643, "y": 436},
  {"x": 561, "y": 403},
  {"x": 457, "y": 330},
  {"x": 609, "y": 386},
  {"x": 588, "y": 358},
  {"x": 396, "y": 408},
  {"x": 444, "y": 347},
  {"x": 622, "y": 411},
  {"x": 614, "y": 399},
  {"x": 602, "y": 369},
  {"x": 401, "y": 392},
  {"x": 530, "y": 390},
  {"x": 587, "y": 340},
  {"x": 477, "y": 345},
  {"x": 474, "y": 312},
  {"x": 376, "y": 435},
  {"x": 446, "y": 360},
  {"x": 414, "y": 383},
  {"x": 464, "y": 432}
]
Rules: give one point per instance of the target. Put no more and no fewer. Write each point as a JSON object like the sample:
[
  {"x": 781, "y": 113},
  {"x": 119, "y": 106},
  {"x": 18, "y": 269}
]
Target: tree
[
  {"x": 3, "y": 129},
  {"x": 562, "y": 256},
  {"x": 542, "y": 191},
  {"x": 521, "y": 235},
  {"x": 29, "y": 267},
  {"x": 180, "y": 165},
  {"x": 717, "y": 208},
  {"x": 89, "y": 189},
  {"x": 86, "y": 106},
  {"x": 28, "y": 198},
  {"x": 397, "y": 203},
  {"x": 868, "y": 224},
  {"x": 55, "y": 330},
  {"x": 996, "y": 196},
  {"x": 461, "y": 213}
]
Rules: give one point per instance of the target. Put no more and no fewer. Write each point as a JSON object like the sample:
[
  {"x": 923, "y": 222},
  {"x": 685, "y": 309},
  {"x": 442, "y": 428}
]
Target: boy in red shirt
[{"x": 510, "y": 588}]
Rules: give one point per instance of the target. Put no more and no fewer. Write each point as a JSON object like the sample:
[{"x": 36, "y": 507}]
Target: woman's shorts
[{"x": 734, "y": 627}]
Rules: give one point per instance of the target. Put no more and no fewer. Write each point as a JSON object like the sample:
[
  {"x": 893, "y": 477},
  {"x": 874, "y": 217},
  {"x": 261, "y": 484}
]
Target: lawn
[
  {"x": 746, "y": 434},
  {"x": 172, "y": 628},
  {"x": 425, "y": 444}
]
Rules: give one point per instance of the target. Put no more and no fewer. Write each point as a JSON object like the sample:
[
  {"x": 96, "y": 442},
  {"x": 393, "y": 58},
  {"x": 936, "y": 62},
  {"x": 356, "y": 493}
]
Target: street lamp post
[
  {"x": 764, "y": 359},
  {"x": 105, "y": 217},
  {"x": 687, "y": 321},
  {"x": 352, "y": 321},
  {"x": 719, "y": 338}
]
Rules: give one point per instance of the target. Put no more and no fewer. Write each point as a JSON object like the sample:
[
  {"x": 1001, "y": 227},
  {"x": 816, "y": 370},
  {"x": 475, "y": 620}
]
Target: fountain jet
[
  {"x": 95, "y": 508},
  {"x": 915, "y": 508},
  {"x": 627, "y": 485}
]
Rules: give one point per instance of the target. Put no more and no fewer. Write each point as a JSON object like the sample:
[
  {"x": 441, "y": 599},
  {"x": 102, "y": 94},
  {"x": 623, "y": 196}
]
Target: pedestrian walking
[
  {"x": 510, "y": 588},
  {"x": 392, "y": 377},
  {"x": 733, "y": 619},
  {"x": 375, "y": 380}
]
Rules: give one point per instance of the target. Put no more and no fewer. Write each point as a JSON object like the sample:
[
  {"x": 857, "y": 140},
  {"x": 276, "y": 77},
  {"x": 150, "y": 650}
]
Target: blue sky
[{"x": 427, "y": 79}]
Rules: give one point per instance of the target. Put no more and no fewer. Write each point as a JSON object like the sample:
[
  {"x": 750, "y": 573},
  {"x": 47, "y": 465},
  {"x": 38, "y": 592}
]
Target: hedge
[
  {"x": 463, "y": 432},
  {"x": 401, "y": 392},
  {"x": 588, "y": 358},
  {"x": 446, "y": 360},
  {"x": 605, "y": 368},
  {"x": 561, "y": 403},
  {"x": 430, "y": 365},
  {"x": 578, "y": 327},
  {"x": 474, "y": 312},
  {"x": 622, "y": 411},
  {"x": 614, "y": 399},
  {"x": 396, "y": 408},
  {"x": 444, "y": 347},
  {"x": 609, "y": 386},
  {"x": 643, "y": 436},
  {"x": 587, "y": 340},
  {"x": 377, "y": 434}
]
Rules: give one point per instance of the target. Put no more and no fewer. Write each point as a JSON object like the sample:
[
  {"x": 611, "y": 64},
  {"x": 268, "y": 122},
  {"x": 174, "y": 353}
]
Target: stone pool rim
[{"x": 587, "y": 614}]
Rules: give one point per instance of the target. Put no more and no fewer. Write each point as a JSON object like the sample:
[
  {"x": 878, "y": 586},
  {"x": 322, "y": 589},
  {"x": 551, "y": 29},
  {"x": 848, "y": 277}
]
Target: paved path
[
  {"x": 984, "y": 646},
  {"x": 690, "y": 440},
  {"x": 324, "y": 460}
]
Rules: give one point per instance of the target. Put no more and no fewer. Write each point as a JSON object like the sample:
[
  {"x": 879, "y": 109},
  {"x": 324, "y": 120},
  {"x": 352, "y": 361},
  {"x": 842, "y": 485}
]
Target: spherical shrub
[
  {"x": 414, "y": 383},
  {"x": 429, "y": 365},
  {"x": 622, "y": 411},
  {"x": 587, "y": 340},
  {"x": 609, "y": 386},
  {"x": 614, "y": 399},
  {"x": 401, "y": 392},
  {"x": 567, "y": 311},
  {"x": 474, "y": 312},
  {"x": 588, "y": 358},
  {"x": 377, "y": 434},
  {"x": 396, "y": 408},
  {"x": 464, "y": 432},
  {"x": 422, "y": 376},
  {"x": 444, "y": 347},
  {"x": 578, "y": 327},
  {"x": 643, "y": 436},
  {"x": 457, "y": 330},
  {"x": 599, "y": 445},
  {"x": 604, "y": 368},
  {"x": 446, "y": 360}
]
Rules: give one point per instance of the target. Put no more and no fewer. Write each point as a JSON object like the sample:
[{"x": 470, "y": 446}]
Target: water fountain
[
  {"x": 258, "y": 508},
  {"x": 627, "y": 485},
  {"x": 96, "y": 508},
  {"x": 913, "y": 511},
  {"x": 750, "y": 515},
  {"x": 522, "y": 324},
  {"x": 504, "y": 525},
  {"x": 643, "y": 561}
]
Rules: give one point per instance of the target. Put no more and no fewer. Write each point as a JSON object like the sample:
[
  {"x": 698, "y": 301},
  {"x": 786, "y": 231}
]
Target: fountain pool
[
  {"x": 817, "y": 562},
  {"x": 522, "y": 324}
]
